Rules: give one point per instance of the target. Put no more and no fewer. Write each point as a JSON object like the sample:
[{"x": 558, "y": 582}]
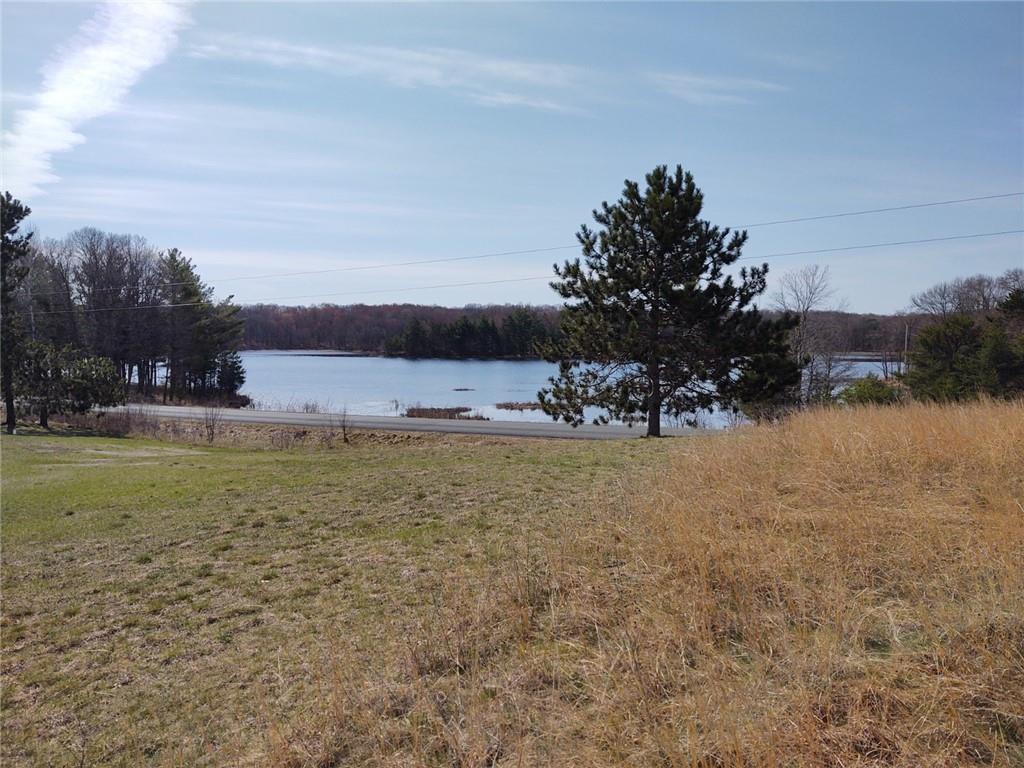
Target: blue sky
[{"x": 262, "y": 138}]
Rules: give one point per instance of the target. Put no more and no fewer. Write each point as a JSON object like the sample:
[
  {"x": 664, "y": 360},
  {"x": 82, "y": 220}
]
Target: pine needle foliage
[{"x": 655, "y": 322}]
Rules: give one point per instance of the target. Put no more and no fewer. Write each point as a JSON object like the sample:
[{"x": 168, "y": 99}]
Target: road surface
[{"x": 402, "y": 424}]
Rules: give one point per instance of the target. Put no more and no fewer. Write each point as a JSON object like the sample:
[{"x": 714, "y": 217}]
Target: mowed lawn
[{"x": 166, "y": 603}]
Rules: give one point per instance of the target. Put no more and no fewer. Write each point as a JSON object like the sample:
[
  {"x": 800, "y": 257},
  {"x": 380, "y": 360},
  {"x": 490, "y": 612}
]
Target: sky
[{"x": 264, "y": 138}]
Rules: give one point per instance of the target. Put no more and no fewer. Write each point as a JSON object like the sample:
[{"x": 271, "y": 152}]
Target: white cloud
[
  {"x": 487, "y": 80},
  {"x": 706, "y": 90},
  {"x": 86, "y": 79}
]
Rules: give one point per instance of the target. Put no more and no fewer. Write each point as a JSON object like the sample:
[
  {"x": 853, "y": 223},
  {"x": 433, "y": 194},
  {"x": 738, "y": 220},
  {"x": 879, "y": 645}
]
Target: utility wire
[
  {"x": 879, "y": 210},
  {"x": 308, "y": 296},
  {"x": 359, "y": 268},
  {"x": 547, "y": 277},
  {"x": 448, "y": 259},
  {"x": 884, "y": 245},
  {"x": 400, "y": 263}
]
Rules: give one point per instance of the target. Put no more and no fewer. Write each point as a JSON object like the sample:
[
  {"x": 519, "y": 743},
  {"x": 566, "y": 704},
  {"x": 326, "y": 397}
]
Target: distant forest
[
  {"x": 496, "y": 331},
  {"x": 408, "y": 330}
]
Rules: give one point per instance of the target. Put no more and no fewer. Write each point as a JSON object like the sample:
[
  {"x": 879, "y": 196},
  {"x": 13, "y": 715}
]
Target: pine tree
[
  {"x": 14, "y": 253},
  {"x": 653, "y": 324},
  {"x": 230, "y": 373},
  {"x": 56, "y": 380},
  {"x": 943, "y": 359}
]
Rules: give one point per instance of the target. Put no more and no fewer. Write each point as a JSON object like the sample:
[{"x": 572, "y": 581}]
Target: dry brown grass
[{"x": 843, "y": 589}]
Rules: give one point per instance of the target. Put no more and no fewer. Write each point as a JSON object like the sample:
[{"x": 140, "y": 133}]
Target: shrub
[
  {"x": 870, "y": 390},
  {"x": 958, "y": 359}
]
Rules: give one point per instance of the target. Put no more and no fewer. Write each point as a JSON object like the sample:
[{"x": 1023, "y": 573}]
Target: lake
[{"x": 386, "y": 386}]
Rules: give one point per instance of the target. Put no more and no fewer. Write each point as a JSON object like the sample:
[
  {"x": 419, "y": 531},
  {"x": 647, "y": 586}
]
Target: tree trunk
[
  {"x": 8, "y": 373},
  {"x": 44, "y": 417},
  {"x": 654, "y": 402}
]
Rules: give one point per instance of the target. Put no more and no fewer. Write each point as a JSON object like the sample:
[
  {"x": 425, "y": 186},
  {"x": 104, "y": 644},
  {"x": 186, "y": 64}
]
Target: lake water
[{"x": 386, "y": 386}]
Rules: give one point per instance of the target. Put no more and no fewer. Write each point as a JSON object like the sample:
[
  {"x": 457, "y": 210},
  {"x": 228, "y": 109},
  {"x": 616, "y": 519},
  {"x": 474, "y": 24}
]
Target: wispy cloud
[
  {"x": 86, "y": 79},
  {"x": 487, "y": 80},
  {"x": 708, "y": 90}
]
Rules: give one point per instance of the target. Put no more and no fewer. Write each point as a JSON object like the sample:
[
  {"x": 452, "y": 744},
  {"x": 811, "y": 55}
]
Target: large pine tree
[
  {"x": 653, "y": 323},
  {"x": 14, "y": 253}
]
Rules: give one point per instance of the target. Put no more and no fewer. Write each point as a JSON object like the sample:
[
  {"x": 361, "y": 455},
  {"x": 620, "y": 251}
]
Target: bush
[
  {"x": 959, "y": 358},
  {"x": 870, "y": 390},
  {"x": 57, "y": 380}
]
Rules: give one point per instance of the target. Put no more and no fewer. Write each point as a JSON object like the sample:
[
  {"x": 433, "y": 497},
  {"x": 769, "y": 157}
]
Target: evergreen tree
[
  {"x": 652, "y": 322},
  {"x": 196, "y": 329},
  {"x": 522, "y": 333},
  {"x": 14, "y": 253},
  {"x": 230, "y": 373},
  {"x": 416, "y": 340},
  {"x": 54, "y": 380},
  {"x": 958, "y": 357},
  {"x": 489, "y": 339},
  {"x": 999, "y": 362},
  {"x": 941, "y": 364}
]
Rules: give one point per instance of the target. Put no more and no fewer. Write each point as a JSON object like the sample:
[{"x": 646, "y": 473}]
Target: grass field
[
  {"x": 169, "y": 604},
  {"x": 842, "y": 589}
]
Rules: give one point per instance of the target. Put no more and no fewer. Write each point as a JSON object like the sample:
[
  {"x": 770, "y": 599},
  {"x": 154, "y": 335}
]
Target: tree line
[
  {"x": 518, "y": 335},
  {"x": 113, "y": 310},
  {"x": 972, "y": 295},
  {"x": 415, "y": 330},
  {"x": 386, "y": 329}
]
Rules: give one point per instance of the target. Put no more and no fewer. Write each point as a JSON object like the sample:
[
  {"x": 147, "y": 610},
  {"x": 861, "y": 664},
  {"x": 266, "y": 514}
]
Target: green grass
[{"x": 162, "y": 603}]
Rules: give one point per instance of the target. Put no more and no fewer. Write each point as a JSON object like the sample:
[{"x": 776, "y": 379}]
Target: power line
[
  {"x": 413, "y": 288},
  {"x": 449, "y": 259},
  {"x": 879, "y": 210},
  {"x": 399, "y": 263},
  {"x": 885, "y": 245},
  {"x": 547, "y": 277},
  {"x": 308, "y": 295},
  {"x": 359, "y": 268}
]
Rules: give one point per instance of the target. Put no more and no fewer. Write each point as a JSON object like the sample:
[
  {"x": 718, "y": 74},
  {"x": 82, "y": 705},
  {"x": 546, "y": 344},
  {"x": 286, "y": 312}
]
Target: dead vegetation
[
  {"x": 842, "y": 589},
  {"x": 458, "y": 412},
  {"x": 531, "y": 405},
  {"x": 336, "y": 433}
]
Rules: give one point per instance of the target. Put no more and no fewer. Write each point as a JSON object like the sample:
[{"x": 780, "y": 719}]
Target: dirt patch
[
  {"x": 142, "y": 452},
  {"x": 153, "y": 452}
]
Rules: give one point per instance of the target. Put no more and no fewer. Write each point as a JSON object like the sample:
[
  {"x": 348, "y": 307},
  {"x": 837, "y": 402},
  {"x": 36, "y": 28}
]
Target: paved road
[{"x": 401, "y": 424}]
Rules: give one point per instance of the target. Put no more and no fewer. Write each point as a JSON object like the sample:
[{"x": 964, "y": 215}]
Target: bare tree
[
  {"x": 212, "y": 418},
  {"x": 979, "y": 293},
  {"x": 336, "y": 421},
  {"x": 938, "y": 300},
  {"x": 967, "y": 295},
  {"x": 1011, "y": 280},
  {"x": 817, "y": 342}
]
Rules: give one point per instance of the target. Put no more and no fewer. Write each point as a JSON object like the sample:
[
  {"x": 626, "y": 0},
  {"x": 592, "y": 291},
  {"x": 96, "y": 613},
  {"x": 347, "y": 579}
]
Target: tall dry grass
[{"x": 846, "y": 588}]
